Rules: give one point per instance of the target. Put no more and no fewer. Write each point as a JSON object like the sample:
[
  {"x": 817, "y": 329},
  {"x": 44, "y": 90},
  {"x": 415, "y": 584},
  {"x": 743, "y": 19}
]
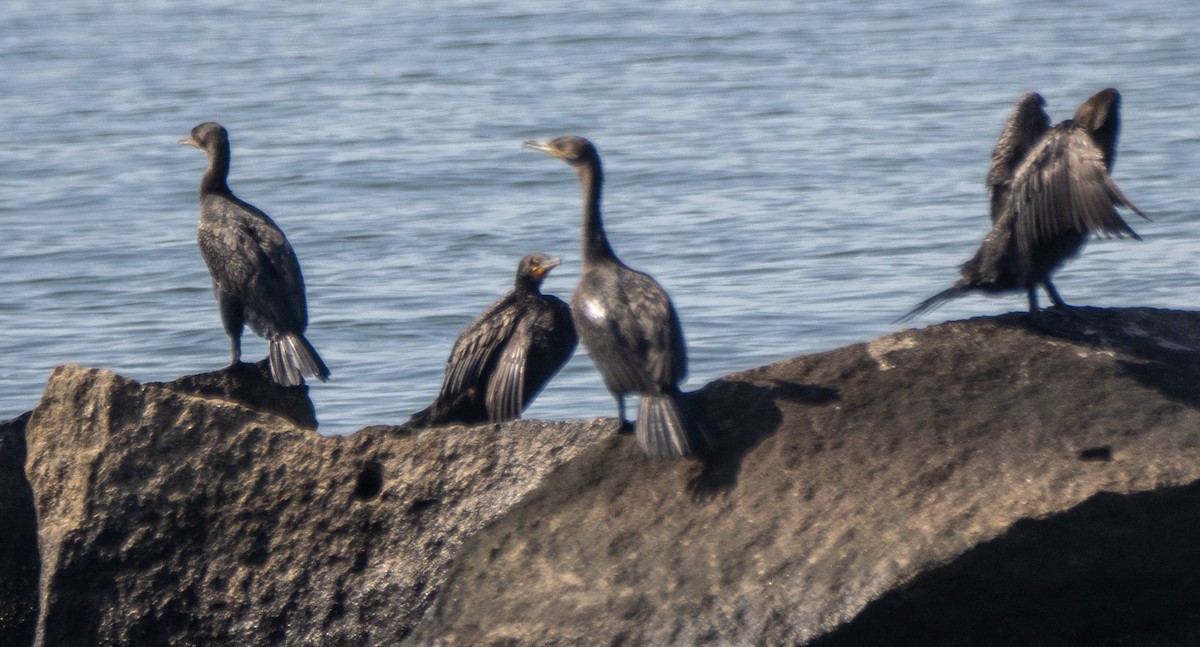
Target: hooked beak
[
  {"x": 189, "y": 142},
  {"x": 547, "y": 266},
  {"x": 540, "y": 146}
]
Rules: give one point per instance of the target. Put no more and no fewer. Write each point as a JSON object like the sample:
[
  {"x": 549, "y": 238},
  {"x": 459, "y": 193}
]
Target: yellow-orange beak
[{"x": 546, "y": 266}]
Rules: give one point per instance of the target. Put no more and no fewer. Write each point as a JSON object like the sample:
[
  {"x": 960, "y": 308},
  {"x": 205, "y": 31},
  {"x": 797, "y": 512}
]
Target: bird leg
[
  {"x": 235, "y": 354},
  {"x": 624, "y": 426},
  {"x": 1058, "y": 301},
  {"x": 233, "y": 316},
  {"x": 1033, "y": 304}
]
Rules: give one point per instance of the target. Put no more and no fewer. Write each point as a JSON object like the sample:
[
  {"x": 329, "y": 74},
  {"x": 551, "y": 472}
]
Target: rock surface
[
  {"x": 250, "y": 385},
  {"x": 976, "y": 482},
  {"x": 18, "y": 539},
  {"x": 166, "y": 518}
]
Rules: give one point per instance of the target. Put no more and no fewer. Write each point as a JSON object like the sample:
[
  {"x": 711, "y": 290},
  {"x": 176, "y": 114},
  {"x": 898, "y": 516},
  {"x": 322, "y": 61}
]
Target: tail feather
[
  {"x": 933, "y": 302},
  {"x": 292, "y": 359},
  {"x": 666, "y": 428}
]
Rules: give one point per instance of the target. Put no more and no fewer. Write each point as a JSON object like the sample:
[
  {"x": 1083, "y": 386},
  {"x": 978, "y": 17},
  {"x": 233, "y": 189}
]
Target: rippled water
[{"x": 795, "y": 174}]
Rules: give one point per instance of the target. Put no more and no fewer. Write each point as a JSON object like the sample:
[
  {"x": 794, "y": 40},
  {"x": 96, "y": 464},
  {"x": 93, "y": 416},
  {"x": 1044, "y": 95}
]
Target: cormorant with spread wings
[{"x": 1050, "y": 189}]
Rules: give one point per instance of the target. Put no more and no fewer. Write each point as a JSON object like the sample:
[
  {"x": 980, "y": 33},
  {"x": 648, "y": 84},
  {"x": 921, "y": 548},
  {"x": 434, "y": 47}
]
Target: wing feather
[
  {"x": 249, "y": 257},
  {"x": 506, "y": 389},
  {"x": 638, "y": 341},
  {"x": 1063, "y": 187},
  {"x": 1026, "y": 126},
  {"x": 477, "y": 346}
]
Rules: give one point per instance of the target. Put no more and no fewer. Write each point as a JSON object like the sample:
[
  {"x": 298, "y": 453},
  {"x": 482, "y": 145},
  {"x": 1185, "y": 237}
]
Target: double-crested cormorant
[
  {"x": 505, "y": 357},
  {"x": 628, "y": 324},
  {"x": 256, "y": 277},
  {"x": 1050, "y": 188}
]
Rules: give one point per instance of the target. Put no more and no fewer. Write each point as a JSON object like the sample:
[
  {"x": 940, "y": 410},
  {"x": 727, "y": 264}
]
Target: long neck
[
  {"x": 595, "y": 241},
  {"x": 215, "y": 177}
]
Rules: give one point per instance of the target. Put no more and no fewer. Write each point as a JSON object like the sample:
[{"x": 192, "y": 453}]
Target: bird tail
[
  {"x": 293, "y": 358},
  {"x": 667, "y": 428},
  {"x": 933, "y": 302}
]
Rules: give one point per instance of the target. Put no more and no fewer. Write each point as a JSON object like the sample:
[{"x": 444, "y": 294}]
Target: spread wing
[
  {"x": 541, "y": 343},
  {"x": 1062, "y": 187},
  {"x": 478, "y": 345},
  {"x": 506, "y": 389},
  {"x": 1026, "y": 126}
]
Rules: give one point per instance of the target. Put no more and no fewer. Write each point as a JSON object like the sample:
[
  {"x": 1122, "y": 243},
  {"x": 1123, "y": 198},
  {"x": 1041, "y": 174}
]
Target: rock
[
  {"x": 171, "y": 518},
  {"x": 18, "y": 540},
  {"x": 974, "y": 482},
  {"x": 250, "y": 385}
]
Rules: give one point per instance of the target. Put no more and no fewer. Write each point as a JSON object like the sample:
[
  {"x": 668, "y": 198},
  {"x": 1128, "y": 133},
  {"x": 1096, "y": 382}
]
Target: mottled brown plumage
[{"x": 256, "y": 276}]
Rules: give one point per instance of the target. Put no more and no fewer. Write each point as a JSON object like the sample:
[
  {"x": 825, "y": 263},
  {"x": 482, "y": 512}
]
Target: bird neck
[
  {"x": 595, "y": 241},
  {"x": 527, "y": 284},
  {"x": 215, "y": 178}
]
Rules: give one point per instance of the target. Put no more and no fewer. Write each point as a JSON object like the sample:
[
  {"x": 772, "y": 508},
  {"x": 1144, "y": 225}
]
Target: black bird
[
  {"x": 256, "y": 277},
  {"x": 628, "y": 324},
  {"x": 1050, "y": 188},
  {"x": 505, "y": 357}
]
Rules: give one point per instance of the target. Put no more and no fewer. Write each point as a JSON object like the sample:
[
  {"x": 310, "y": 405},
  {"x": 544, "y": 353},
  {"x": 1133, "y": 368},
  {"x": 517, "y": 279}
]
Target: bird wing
[
  {"x": 506, "y": 388},
  {"x": 250, "y": 258},
  {"x": 541, "y": 343},
  {"x": 646, "y": 334},
  {"x": 478, "y": 345},
  {"x": 1063, "y": 186},
  {"x": 1026, "y": 125}
]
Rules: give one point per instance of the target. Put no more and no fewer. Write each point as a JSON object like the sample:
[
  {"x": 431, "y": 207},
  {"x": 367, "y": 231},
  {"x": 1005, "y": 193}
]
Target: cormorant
[
  {"x": 505, "y": 357},
  {"x": 1050, "y": 188},
  {"x": 628, "y": 324},
  {"x": 256, "y": 277}
]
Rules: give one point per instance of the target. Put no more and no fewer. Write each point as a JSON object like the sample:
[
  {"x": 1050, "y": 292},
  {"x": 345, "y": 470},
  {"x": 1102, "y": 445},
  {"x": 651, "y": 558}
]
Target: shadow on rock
[
  {"x": 740, "y": 415},
  {"x": 1113, "y": 570},
  {"x": 19, "y": 560},
  {"x": 1164, "y": 344}
]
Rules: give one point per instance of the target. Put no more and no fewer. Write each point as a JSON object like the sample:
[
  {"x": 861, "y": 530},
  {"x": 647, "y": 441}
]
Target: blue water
[{"x": 795, "y": 174}]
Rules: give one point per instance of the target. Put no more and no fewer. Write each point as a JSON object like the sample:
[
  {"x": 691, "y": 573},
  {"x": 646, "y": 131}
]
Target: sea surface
[{"x": 796, "y": 174}]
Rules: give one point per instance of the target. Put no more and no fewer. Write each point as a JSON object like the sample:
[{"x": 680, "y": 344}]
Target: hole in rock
[{"x": 369, "y": 482}]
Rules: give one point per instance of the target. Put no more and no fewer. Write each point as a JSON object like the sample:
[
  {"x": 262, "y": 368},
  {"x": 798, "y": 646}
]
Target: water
[{"x": 795, "y": 174}]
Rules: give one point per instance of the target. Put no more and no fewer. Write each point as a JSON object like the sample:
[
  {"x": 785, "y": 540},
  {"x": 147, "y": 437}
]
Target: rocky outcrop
[
  {"x": 251, "y": 386},
  {"x": 18, "y": 540},
  {"x": 976, "y": 482},
  {"x": 168, "y": 518}
]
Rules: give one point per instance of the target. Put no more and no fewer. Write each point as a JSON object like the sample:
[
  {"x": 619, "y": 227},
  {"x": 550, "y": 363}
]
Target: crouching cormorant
[
  {"x": 1050, "y": 188},
  {"x": 505, "y": 357},
  {"x": 256, "y": 277},
  {"x": 628, "y": 324}
]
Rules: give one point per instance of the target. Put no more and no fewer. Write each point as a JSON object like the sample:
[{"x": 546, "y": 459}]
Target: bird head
[{"x": 572, "y": 149}]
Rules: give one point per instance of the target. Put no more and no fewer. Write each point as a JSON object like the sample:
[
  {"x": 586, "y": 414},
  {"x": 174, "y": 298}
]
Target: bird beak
[
  {"x": 540, "y": 146},
  {"x": 189, "y": 142},
  {"x": 547, "y": 266}
]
